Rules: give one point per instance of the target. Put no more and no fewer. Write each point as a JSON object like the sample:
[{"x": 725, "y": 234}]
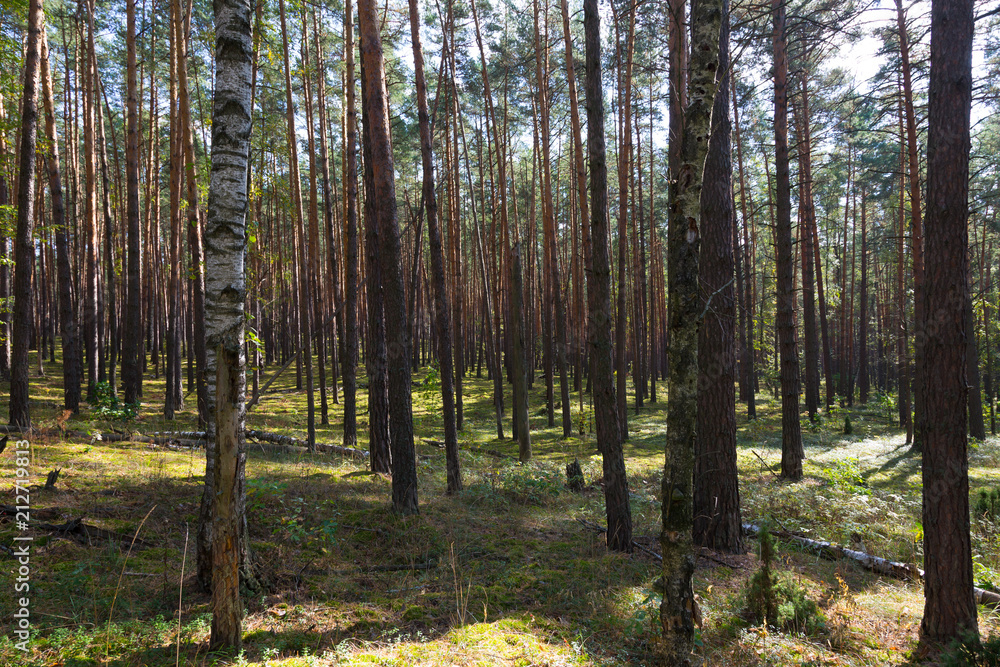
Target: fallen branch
[
  {"x": 146, "y": 439},
  {"x": 492, "y": 452},
  {"x": 413, "y": 567},
  {"x": 10, "y": 510},
  {"x": 85, "y": 534},
  {"x": 875, "y": 564},
  {"x": 289, "y": 441},
  {"x": 764, "y": 463}
]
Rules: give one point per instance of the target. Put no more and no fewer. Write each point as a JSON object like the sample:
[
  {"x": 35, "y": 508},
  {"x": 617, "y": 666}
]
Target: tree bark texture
[
  {"x": 24, "y": 245},
  {"x": 132, "y": 358},
  {"x": 616, "y": 499},
  {"x": 375, "y": 98},
  {"x": 225, "y": 294},
  {"x": 791, "y": 430},
  {"x": 949, "y": 608},
  {"x": 442, "y": 310},
  {"x": 684, "y": 242},
  {"x": 717, "y": 522},
  {"x": 72, "y": 367}
]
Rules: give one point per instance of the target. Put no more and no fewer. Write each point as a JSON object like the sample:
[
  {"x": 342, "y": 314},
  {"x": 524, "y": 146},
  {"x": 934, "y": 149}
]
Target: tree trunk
[
  {"x": 328, "y": 209},
  {"x": 442, "y": 314},
  {"x": 90, "y": 314},
  {"x": 376, "y": 102},
  {"x": 717, "y": 523},
  {"x": 24, "y": 244},
  {"x": 902, "y": 345},
  {"x": 791, "y": 433},
  {"x": 132, "y": 359},
  {"x": 624, "y": 170},
  {"x": 808, "y": 214},
  {"x": 920, "y": 384},
  {"x": 748, "y": 359},
  {"x": 316, "y": 306},
  {"x": 684, "y": 239},
  {"x": 67, "y": 317},
  {"x": 548, "y": 220},
  {"x": 949, "y": 608},
  {"x": 863, "y": 381},
  {"x": 351, "y": 286},
  {"x": 197, "y": 281},
  {"x": 299, "y": 240},
  {"x": 609, "y": 442},
  {"x": 520, "y": 409},
  {"x": 225, "y": 294}
]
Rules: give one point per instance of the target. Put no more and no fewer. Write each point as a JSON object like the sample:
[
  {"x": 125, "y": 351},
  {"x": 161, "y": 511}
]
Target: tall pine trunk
[
  {"x": 375, "y": 99},
  {"x": 791, "y": 430},
  {"x": 442, "y": 314},
  {"x": 949, "y": 609},
  {"x": 717, "y": 522},
  {"x": 132, "y": 359},
  {"x": 24, "y": 244},
  {"x": 67, "y": 317},
  {"x": 609, "y": 441}
]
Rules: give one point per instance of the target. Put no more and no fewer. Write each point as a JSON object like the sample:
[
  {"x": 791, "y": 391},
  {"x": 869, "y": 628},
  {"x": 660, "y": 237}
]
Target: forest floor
[{"x": 500, "y": 574}]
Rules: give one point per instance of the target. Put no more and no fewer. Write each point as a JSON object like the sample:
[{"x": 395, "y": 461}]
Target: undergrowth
[{"x": 501, "y": 573}]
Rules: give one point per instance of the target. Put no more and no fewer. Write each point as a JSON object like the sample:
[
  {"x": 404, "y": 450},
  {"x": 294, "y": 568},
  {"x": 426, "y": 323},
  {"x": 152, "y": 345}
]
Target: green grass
[{"x": 518, "y": 581}]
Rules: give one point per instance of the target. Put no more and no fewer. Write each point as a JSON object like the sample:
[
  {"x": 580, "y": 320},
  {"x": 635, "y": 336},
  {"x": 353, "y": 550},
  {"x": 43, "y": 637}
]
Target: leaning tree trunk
[
  {"x": 717, "y": 522},
  {"x": 24, "y": 245},
  {"x": 225, "y": 293},
  {"x": 609, "y": 439},
  {"x": 949, "y": 609},
  {"x": 375, "y": 99},
  {"x": 791, "y": 430}
]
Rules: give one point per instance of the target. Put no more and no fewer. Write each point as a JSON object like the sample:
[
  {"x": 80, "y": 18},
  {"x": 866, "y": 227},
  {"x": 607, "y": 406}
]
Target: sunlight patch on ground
[
  {"x": 506, "y": 642},
  {"x": 870, "y": 450}
]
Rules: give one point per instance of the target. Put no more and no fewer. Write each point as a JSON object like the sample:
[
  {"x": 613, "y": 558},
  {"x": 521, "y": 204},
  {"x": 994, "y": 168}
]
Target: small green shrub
[
  {"x": 846, "y": 475},
  {"x": 528, "y": 484},
  {"x": 848, "y": 429},
  {"x": 777, "y": 598},
  {"x": 971, "y": 652},
  {"x": 987, "y": 504},
  {"x": 109, "y": 408}
]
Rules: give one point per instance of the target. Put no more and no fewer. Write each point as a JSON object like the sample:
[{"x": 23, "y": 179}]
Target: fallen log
[
  {"x": 181, "y": 435},
  {"x": 882, "y": 566},
  {"x": 413, "y": 567},
  {"x": 146, "y": 439},
  {"x": 85, "y": 534},
  {"x": 287, "y": 440},
  {"x": 12, "y": 511}
]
